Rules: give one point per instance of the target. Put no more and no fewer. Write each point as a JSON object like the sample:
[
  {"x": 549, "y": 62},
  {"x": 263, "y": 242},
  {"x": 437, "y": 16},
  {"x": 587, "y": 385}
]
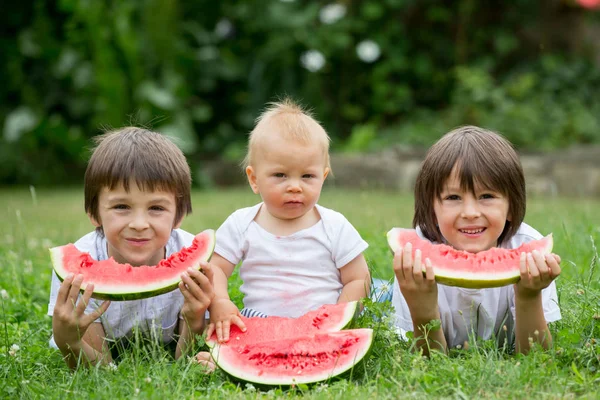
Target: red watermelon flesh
[
  {"x": 299, "y": 360},
  {"x": 490, "y": 268},
  {"x": 327, "y": 318},
  {"x": 114, "y": 281}
]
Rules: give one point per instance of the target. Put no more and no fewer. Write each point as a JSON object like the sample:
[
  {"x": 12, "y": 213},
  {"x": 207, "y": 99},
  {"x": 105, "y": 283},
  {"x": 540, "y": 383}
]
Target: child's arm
[
  {"x": 197, "y": 289},
  {"x": 356, "y": 280},
  {"x": 223, "y": 312},
  {"x": 75, "y": 333},
  {"x": 537, "y": 272},
  {"x": 421, "y": 297}
]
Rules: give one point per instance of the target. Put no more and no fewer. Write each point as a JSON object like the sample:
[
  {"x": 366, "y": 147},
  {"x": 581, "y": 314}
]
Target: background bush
[{"x": 375, "y": 72}]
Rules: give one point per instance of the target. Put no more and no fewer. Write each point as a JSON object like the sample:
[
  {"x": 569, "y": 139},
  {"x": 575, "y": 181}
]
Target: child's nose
[
  {"x": 294, "y": 186},
  {"x": 139, "y": 221},
  {"x": 470, "y": 209}
]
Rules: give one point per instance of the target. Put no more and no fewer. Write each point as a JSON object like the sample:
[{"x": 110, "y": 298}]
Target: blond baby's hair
[{"x": 290, "y": 121}]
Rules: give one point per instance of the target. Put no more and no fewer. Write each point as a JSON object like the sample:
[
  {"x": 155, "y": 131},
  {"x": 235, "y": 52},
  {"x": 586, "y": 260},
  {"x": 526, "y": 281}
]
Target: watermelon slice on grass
[
  {"x": 114, "y": 281},
  {"x": 277, "y": 351},
  {"x": 491, "y": 268}
]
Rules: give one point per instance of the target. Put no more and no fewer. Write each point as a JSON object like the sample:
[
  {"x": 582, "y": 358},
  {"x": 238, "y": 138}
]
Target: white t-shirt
[
  {"x": 155, "y": 317},
  {"x": 288, "y": 276},
  {"x": 483, "y": 312}
]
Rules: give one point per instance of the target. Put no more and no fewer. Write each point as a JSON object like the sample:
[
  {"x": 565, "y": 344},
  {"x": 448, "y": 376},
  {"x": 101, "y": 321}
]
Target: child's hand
[
  {"x": 69, "y": 323},
  {"x": 223, "y": 313},
  {"x": 420, "y": 292},
  {"x": 197, "y": 289},
  {"x": 537, "y": 272}
]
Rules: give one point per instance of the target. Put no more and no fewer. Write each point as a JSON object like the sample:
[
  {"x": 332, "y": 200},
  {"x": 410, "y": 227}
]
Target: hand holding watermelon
[
  {"x": 69, "y": 323},
  {"x": 419, "y": 290},
  {"x": 197, "y": 289},
  {"x": 223, "y": 313},
  {"x": 538, "y": 270}
]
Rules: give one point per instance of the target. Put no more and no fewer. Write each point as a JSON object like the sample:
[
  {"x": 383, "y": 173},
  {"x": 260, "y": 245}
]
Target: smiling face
[
  {"x": 137, "y": 224},
  {"x": 289, "y": 176},
  {"x": 470, "y": 221}
]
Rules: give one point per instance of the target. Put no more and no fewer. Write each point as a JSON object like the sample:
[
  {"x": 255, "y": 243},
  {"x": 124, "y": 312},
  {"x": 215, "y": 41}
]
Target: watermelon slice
[
  {"x": 288, "y": 351},
  {"x": 327, "y": 318},
  {"x": 300, "y": 360},
  {"x": 491, "y": 268},
  {"x": 114, "y": 281}
]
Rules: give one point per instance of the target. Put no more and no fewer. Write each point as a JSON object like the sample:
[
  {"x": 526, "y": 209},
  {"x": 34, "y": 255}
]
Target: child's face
[
  {"x": 288, "y": 176},
  {"x": 470, "y": 222},
  {"x": 137, "y": 225}
]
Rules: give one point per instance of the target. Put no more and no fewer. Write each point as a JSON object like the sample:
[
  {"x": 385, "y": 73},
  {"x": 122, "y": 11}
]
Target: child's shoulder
[
  {"x": 330, "y": 216},
  {"x": 242, "y": 217},
  {"x": 524, "y": 234}
]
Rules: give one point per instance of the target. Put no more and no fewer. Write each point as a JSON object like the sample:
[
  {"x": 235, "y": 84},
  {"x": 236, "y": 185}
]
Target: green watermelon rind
[
  {"x": 350, "y": 313},
  {"x": 456, "y": 278},
  {"x": 338, "y": 371},
  {"x": 123, "y": 294}
]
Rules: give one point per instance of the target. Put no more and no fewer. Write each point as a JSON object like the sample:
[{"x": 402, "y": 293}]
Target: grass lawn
[{"x": 32, "y": 222}]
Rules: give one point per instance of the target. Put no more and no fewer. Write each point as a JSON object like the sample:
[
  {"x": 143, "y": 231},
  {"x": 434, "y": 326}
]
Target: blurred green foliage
[{"x": 374, "y": 71}]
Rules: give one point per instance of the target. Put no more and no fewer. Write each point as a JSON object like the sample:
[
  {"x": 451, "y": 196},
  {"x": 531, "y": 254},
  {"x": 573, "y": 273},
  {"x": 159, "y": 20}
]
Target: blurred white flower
[
  {"x": 224, "y": 28},
  {"x": 13, "y": 350},
  {"x": 148, "y": 379},
  {"x": 312, "y": 60},
  {"x": 112, "y": 366},
  {"x": 368, "y": 51},
  {"x": 4, "y": 294},
  {"x": 332, "y": 13},
  {"x": 250, "y": 387}
]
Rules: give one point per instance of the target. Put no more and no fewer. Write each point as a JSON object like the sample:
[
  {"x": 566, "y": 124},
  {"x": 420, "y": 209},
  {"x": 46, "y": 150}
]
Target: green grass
[{"x": 30, "y": 224}]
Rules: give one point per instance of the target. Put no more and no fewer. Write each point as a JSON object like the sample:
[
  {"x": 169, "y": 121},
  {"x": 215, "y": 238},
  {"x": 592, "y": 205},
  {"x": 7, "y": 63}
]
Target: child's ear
[
  {"x": 326, "y": 173},
  {"x": 250, "y": 173},
  {"x": 94, "y": 221}
]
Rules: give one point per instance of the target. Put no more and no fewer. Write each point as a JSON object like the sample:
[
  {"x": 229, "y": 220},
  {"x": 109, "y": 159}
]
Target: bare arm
[
  {"x": 356, "y": 280},
  {"x": 537, "y": 272},
  {"x": 75, "y": 333},
  {"x": 223, "y": 312},
  {"x": 420, "y": 293}
]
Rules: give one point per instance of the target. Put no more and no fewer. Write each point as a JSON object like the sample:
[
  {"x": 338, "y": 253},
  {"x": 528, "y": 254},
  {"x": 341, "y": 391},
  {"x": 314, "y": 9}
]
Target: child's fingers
[
  {"x": 417, "y": 271},
  {"x": 556, "y": 257},
  {"x": 237, "y": 321},
  {"x": 225, "y": 330},
  {"x": 207, "y": 271},
  {"x": 407, "y": 261},
  {"x": 534, "y": 272},
  {"x": 523, "y": 267},
  {"x": 85, "y": 299},
  {"x": 398, "y": 270},
  {"x": 540, "y": 262},
  {"x": 220, "y": 331},
  {"x": 94, "y": 315},
  {"x": 429, "y": 273},
  {"x": 74, "y": 291},
  {"x": 65, "y": 287},
  {"x": 204, "y": 293},
  {"x": 210, "y": 330},
  {"x": 553, "y": 265},
  {"x": 203, "y": 358}
]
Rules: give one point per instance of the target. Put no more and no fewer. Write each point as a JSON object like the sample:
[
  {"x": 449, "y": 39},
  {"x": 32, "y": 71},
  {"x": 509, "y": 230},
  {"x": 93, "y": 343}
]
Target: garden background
[{"x": 386, "y": 77}]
